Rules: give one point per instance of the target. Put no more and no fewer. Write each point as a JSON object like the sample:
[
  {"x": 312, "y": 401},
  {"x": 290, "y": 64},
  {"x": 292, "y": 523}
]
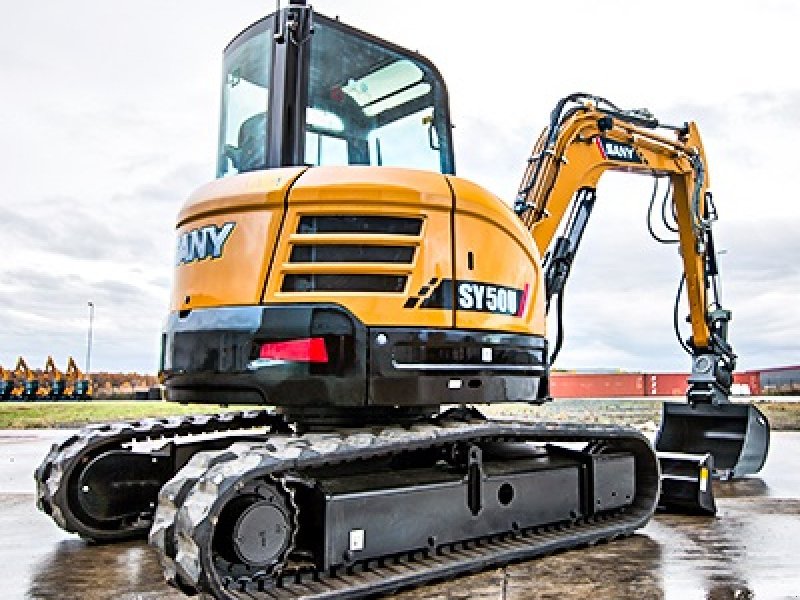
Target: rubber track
[
  {"x": 54, "y": 473},
  {"x": 190, "y": 503},
  {"x": 390, "y": 575}
]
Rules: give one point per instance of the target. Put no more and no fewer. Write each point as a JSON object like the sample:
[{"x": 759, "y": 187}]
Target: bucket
[{"x": 737, "y": 435}]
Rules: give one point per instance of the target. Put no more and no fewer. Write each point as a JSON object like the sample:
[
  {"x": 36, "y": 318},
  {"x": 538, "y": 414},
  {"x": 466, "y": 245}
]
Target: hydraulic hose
[
  {"x": 653, "y": 234},
  {"x": 675, "y": 311},
  {"x": 559, "y": 328}
]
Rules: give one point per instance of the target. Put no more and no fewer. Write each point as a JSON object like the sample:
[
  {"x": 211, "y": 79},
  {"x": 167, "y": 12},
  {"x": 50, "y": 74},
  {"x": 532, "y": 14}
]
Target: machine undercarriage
[{"x": 349, "y": 512}]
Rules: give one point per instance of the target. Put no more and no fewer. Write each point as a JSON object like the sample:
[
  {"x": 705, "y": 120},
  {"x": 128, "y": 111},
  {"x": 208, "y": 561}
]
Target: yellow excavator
[
  {"x": 339, "y": 271},
  {"x": 55, "y": 382},
  {"x": 18, "y": 380},
  {"x": 6, "y": 384},
  {"x": 78, "y": 385},
  {"x": 26, "y": 383}
]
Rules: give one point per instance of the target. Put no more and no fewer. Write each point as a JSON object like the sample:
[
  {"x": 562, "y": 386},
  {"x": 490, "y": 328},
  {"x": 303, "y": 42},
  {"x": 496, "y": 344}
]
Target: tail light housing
[{"x": 308, "y": 350}]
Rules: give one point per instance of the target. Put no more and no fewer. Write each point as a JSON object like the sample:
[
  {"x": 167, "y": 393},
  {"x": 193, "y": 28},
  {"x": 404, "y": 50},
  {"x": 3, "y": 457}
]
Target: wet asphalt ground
[{"x": 750, "y": 550}]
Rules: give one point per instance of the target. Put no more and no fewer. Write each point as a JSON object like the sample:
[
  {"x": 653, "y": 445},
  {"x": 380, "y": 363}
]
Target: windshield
[
  {"x": 245, "y": 97},
  {"x": 369, "y": 104}
]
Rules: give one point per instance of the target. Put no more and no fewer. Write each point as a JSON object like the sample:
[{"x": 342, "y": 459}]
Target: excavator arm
[
  {"x": 22, "y": 368},
  {"x": 589, "y": 142},
  {"x": 588, "y": 136}
]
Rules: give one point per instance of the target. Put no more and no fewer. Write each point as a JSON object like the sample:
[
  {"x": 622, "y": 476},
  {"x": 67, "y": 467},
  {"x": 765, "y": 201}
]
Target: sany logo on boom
[
  {"x": 202, "y": 243},
  {"x": 617, "y": 150}
]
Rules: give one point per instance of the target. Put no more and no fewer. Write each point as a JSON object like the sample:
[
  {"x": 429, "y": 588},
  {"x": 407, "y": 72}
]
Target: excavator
[
  {"x": 17, "y": 380},
  {"x": 78, "y": 385},
  {"x": 55, "y": 381},
  {"x": 27, "y": 383},
  {"x": 338, "y": 277},
  {"x": 6, "y": 384}
]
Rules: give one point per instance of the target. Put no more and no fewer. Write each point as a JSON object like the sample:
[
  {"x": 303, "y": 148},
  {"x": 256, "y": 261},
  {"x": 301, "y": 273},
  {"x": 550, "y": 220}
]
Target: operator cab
[{"x": 299, "y": 88}]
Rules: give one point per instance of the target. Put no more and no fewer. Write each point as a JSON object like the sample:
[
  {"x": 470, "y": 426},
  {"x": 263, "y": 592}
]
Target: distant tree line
[{"x": 114, "y": 380}]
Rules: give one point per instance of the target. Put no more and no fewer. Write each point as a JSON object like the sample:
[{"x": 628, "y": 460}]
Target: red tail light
[{"x": 311, "y": 350}]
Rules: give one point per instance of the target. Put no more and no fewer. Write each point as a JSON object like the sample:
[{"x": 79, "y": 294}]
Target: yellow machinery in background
[
  {"x": 26, "y": 384},
  {"x": 53, "y": 382},
  {"x": 6, "y": 384},
  {"x": 78, "y": 385},
  {"x": 23, "y": 383}
]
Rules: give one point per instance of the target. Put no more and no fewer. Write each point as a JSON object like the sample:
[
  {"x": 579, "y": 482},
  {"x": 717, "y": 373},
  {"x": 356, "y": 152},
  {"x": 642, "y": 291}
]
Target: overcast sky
[{"x": 108, "y": 115}]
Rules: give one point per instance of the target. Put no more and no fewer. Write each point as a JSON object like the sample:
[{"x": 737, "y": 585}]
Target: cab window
[
  {"x": 371, "y": 105},
  {"x": 245, "y": 99}
]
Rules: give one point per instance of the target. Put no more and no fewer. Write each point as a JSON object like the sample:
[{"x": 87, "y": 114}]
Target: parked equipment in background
[
  {"x": 26, "y": 384},
  {"x": 53, "y": 384},
  {"x": 54, "y": 380},
  {"x": 6, "y": 384},
  {"x": 17, "y": 381},
  {"x": 78, "y": 386},
  {"x": 358, "y": 296}
]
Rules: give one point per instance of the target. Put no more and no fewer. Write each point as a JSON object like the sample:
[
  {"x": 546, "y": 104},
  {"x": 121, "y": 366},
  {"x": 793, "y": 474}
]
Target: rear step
[{"x": 686, "y": 485}]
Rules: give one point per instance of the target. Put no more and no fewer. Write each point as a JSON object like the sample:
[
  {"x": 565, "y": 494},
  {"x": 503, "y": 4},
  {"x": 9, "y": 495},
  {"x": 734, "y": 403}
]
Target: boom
[
  {"x": 22, "y": 369},
  {"x": 591, "y": 141}
]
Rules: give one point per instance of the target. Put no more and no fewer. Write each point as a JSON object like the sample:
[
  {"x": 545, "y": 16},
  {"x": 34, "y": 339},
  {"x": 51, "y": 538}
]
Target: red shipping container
[
  {"x": 596, "y": 385},
  {"x": 751, "y": 379},
  {"x": 616, "y": 385},
  {"x": 666, "y": 384}
]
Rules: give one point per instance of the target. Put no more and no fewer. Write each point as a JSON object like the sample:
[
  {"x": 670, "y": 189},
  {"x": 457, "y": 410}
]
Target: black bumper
[{"x": 211, "y": 355}]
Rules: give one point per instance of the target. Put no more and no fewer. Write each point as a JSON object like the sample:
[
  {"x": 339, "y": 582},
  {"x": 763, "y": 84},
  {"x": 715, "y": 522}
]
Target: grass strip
[{"x": 37, "y": 415}]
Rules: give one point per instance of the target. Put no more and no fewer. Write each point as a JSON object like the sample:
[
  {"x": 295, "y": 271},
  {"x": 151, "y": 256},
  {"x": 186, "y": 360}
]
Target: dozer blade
[
  {"x": 737, "y": 435},
  {"x": 686, "y": 483}
]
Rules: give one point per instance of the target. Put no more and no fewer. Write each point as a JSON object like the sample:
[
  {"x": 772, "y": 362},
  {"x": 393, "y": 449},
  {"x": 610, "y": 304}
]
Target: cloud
[
  {"x": 492, "y": 153},
  {"x": 117, "y": 255},
  {"x": 75, "y": 232},
  {"x": 44, "y": 313}
]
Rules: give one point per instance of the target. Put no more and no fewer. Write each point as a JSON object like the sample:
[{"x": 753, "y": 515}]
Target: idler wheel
[{"x": 255, "y": 529}]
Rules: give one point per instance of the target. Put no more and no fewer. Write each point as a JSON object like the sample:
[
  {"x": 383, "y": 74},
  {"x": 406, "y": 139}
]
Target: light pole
[{"x": 89, "y": 340}]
